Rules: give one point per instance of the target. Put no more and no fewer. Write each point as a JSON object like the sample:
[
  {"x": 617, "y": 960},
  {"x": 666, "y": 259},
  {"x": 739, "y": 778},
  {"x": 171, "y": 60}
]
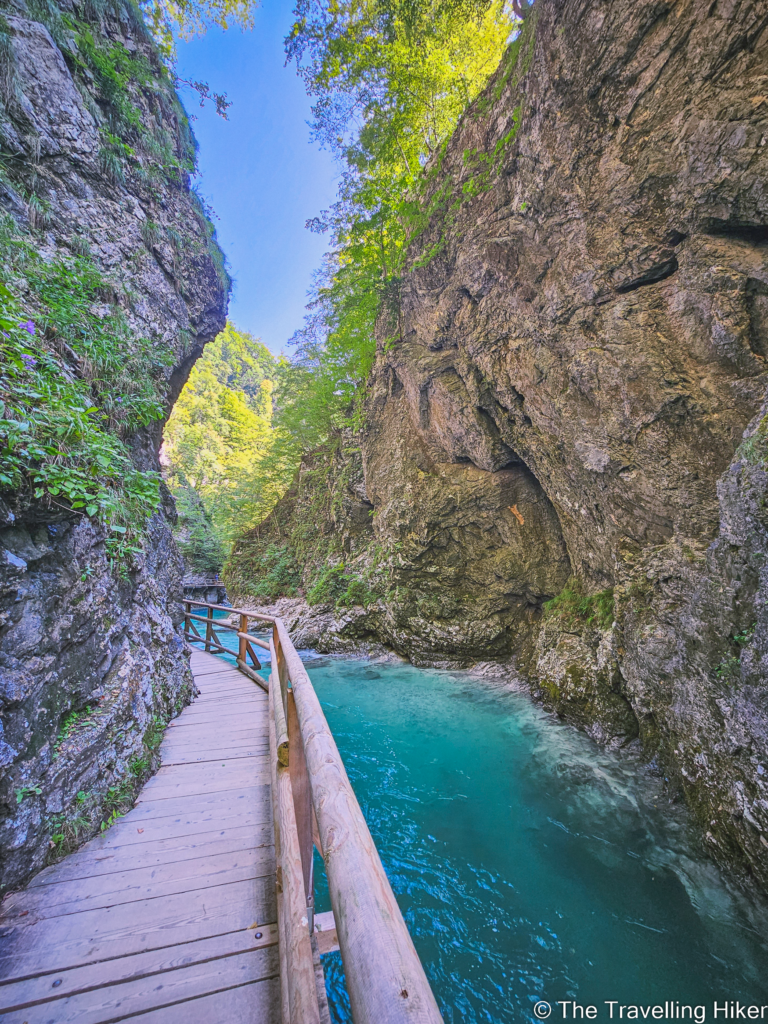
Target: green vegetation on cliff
[
  {"x": 317, "y": 540},
  {"x": 77, "y": 379},
  {"x": 575, "y": 608},
  {"x": 74, "y": 383},
  {"x": 391, "y": 82}
]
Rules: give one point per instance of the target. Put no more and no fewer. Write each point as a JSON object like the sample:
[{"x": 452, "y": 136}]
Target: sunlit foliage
[
  {"x": 390, "y": 81},
  {"x": 173, "y": 19},
  {"x": 219, "y": 445}
]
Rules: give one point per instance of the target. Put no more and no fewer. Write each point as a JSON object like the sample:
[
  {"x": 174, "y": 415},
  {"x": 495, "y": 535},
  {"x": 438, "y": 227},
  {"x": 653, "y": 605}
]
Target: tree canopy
[
  {"x": 217, "y": 445},
  {"x": 390, "y": 80}
]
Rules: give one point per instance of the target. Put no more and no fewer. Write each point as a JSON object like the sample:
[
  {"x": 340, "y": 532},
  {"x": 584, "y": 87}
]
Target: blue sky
[{"x": 259, "y": 171}]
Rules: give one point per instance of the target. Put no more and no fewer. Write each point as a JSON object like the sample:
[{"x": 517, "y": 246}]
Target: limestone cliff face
[
  {"x": 597, "y": 308},
  {"x": 576, "y": 352},
  {"x": 92, "y": 660}
]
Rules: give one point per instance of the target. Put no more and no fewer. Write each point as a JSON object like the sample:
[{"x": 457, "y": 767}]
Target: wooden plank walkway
[{"x": 156, "y": 920}]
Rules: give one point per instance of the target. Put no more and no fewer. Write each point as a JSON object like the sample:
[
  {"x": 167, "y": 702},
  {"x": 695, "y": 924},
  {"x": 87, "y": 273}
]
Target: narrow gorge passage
[{"x": 487, "y": 442}]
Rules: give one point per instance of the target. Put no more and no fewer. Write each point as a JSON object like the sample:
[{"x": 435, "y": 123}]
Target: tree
[
  {"x": 169, "y": 20},
  {"x": 390, "y": 80},
  {"x": 216, "y": 443}
]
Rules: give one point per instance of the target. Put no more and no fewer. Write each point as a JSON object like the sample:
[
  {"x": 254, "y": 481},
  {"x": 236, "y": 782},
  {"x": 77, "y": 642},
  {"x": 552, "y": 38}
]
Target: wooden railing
[{"x": 315, "y": 805}]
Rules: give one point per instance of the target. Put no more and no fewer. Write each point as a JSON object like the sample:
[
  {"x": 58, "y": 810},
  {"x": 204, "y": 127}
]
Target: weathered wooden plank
[
  {"x": 222, "y": 700},
  {"x": 225, "y": 670},
  {"x": 225, "y": 699},
  {"x": 239, "y": 716},
  {"x": 203, "y": 668},
  {"x": 258, "y": 1003},
  {"x": 188, "y": 754},
  {"x": 180, "y": 741},
  {"x": 254, "y": 770},
  {"x": 191, "y": 805},
  {"x": 226, "y": 766},
  {"x": 232, "y": 681},
  {"x": 131, "y": 968},
  {"x": 142, "y": 883},
  {"x": 191, "y": 755},
  {"x": 203, "y": 741},
  {"x": 223, "y": 686},
  {"x": 226, "y": 676},
  {"x": 226, "y": 711},
  {"x": 133, "y": 928},
  {"x": 218, "y": 732},
  {"x": 152, "y": 855},
  {"x": 240, "y": 720},
  {"x": 235, "y": 770},
  {"x": 158, "y": 836},
  {"x": 129, "y": 998},
  {"x": 209, "y": 740}
]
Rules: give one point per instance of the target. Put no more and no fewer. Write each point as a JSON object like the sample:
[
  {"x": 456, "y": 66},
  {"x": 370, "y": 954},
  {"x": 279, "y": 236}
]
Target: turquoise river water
[{"x": 528, "y": 863}]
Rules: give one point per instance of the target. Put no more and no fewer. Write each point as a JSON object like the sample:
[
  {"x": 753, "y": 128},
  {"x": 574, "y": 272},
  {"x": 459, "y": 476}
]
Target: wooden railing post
[
  {"x": 209, "y": 630},
  {"x": 302, "y": 803},
  {"x": 187, "y": 621},
  {"x": 243, "y": 639},
  {"x": 278, "y": 713},
  {"x": 294, "y": 925},
  {"x": 282, "y": 668}
]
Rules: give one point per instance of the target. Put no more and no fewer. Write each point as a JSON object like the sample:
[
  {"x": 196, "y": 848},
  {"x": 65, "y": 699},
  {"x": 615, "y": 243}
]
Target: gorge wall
[
  {"x": 96, "y": 155},
  {"x": 564, "y": 457}
]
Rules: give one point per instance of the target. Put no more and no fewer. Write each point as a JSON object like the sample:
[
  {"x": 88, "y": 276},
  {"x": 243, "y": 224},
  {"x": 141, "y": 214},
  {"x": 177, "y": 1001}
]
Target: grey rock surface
[
  {"x": 575, "y": 354},
  {"x": 92, "y": 662}
]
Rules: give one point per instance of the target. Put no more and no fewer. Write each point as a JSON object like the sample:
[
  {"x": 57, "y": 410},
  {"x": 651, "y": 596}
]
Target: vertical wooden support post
[
  {"x": 274, "y": 684},
  {"x": 187, "y": 620},
  {"x": 302, "y": 803},
  {"x": 278, "y": 713},
  {"x": 242, "y": 641},
  {"x": 209, "y": 630},
  {"x": 294, "y": 924},
  {"x": 282, "y": 668}
]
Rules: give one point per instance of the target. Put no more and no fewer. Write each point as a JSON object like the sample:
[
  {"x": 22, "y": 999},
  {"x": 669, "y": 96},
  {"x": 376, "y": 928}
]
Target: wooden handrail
[
  {"x": 242, "y": 634},
  {"x": 384, "y": 976}
]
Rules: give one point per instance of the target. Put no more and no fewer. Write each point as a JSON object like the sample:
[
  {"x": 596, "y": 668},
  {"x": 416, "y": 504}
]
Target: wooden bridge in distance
[{"x": 198, "y": 905}]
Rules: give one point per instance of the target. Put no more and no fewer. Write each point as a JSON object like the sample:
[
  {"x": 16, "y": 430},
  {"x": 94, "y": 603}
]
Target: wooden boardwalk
[{"x": 169, "y": 917}]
